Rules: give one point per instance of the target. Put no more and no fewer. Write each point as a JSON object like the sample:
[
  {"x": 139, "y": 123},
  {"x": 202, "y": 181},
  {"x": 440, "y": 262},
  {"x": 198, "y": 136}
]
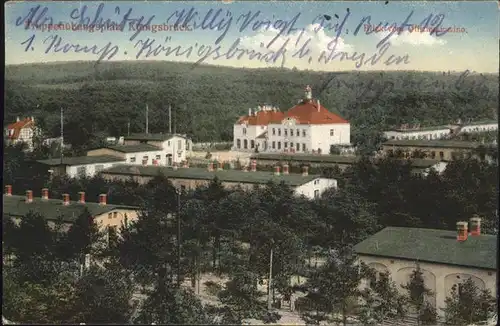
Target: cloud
[
  {"x": 414, "y": 38},
  {"x": 319, "y": 40}
]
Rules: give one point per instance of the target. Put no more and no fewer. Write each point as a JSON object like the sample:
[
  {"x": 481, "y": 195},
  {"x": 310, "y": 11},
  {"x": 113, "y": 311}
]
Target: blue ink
[
  {"x": 284, "y": 27},
  {"x": 148, "y": 48},
  {"x": 304, "y": 49},
  {"x": 30, "y": 21},
  {"x": 435, "y": 23},
  {"x": 325, "y": 24},
  {"x": 189, "y": 17},
  {"x": 80, "y": 15},
  {"x": 359, "y": 58},
  {"x": 56, "y": 44}
]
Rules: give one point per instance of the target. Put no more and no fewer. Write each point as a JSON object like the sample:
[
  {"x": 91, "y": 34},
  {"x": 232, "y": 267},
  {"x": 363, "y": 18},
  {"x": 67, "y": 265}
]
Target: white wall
[
  {"x": 320, "y": 184},
  {"x": 279, "y": 137},
  {"x": 418, "y": 134},
  {"x": 437, "y": 277},
  {"x": 322, "y": 138},
  {"x": 179, "y": 153},
  {"x": 480, "y": 127},
  {"x": 439, "y": 167},
  {"x": 251, "y": 134},
  {"x": 72, "y": 171}
]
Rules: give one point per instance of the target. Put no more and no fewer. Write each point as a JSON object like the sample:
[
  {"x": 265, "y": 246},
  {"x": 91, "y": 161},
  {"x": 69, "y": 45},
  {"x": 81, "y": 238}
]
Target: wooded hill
[{"x": 207, "y": 100}]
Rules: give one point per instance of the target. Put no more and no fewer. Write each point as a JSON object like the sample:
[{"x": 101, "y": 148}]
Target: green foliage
[
  {"x": 467, "y": 304},
  {"x": 417, "y": 294}
]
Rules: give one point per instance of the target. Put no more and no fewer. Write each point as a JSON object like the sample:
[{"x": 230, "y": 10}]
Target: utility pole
[
  {"x": 147, "y": 121},
  {"x": 178, "y": 237},
  {"x": 128, "y": 127},
  {"x": 270, "y": 284},
  {"x": 169, "y": 119},
  {"x": 62, "y": 135}
]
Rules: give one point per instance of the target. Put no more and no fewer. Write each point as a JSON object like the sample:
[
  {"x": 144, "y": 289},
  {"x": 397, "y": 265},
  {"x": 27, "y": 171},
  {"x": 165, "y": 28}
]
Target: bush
[
  {"x": 428, "y": 315},
  {"x": 213, "y": 288}
]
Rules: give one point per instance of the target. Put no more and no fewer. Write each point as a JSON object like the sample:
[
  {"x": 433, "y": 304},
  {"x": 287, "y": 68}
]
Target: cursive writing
[{"x": 56, "y": 44}]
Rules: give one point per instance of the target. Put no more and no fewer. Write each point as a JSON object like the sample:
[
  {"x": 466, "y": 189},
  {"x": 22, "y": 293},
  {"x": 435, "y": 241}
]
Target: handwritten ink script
[{"x": 292, "y": 40}]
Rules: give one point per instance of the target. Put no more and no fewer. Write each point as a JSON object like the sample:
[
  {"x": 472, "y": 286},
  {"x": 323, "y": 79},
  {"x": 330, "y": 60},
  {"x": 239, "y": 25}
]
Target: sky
[{"x": 306, "y": 35}]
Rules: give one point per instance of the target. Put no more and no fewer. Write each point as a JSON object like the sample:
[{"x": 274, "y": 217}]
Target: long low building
[
  {"x": 105, "y": 215},
  {"x": 310, "y": 186},
  {"x": 446, "y": 258},
  {"x": 444, "y": 150},
  {"x": 80, "y": 166}
]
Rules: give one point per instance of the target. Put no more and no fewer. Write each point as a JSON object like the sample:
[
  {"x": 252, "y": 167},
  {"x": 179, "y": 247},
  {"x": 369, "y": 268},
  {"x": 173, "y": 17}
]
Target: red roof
[
  {"x": 307, "y": 113},
  {"x": 261, "y": 118},
  {"x": 18, "y": 126}
]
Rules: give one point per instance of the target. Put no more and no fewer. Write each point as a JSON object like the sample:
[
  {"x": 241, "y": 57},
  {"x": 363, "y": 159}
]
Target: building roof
[
  {"x": 237, "y": 176},
  {"x": 421, "y": 129},
  {"x": 481, "y": 122},
  {"x": 434, "y": 246},
  {"x": 18, "y": 126},
  {"x": 81, "y": 160},
  {"x": 433, "y": 143},
  {"x": 306, "y": 112},
  {"x": 151, "y": 137},
  {"x": 334, "y": 159},
  {"x": 135, "y": 148},
  {"x": 261, "y": 118},
  {"x": 52, "y": 209}
]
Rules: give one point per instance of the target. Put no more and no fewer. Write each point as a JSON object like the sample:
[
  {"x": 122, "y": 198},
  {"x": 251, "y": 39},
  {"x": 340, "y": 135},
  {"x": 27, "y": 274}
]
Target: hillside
[{"x": 207, "y": 100}]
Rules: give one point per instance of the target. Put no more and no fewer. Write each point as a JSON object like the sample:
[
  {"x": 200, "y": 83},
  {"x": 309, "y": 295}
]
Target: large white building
[
  {"x": 308, "y": 127},
  {"x": 446, "y": 258},
  {"x": 139, "y": 149}
]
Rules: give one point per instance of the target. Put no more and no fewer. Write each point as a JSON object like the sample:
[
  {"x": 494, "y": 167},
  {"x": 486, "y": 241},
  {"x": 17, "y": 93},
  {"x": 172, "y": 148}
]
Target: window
[
  {"x": 99, "y": 167},
  {"x": 245, "y": 144},
  {"x": 115, "y": 214},
  {"x": 110, "y": 216},
  {"x": 183, "y": 188},
  {"x": 132, "y": 159},
  {"x": 238, "y": 143},
  {"x": 274, "y": 144},
  {"x": 274, "y": 131},
  {"x": 285, "y": 144},
  {"x": 286, "y": 132},
  {"x": 303, "y": 147},
  {"x": 252, "y": 144},
  {"x": 158, "y": 157},
  {"x": 303, "y": 132},
  {"x": 441, "y": 155},
  {"x": 187, "y": 145},
  {"x": 179, "y": 144},
  {"x": 279, "y": 132},
  {"x": 291, "y": 132},
  {"x": 81, "y": 171},
  {"x": 298, "y": 132},
  {"x": 291, "y": 144},
  {"x": 297, "y": 146},
  {"x": 244, "y": 131},
  {"x": 279, "y": 145},
  {"x": 316, "y": 193},
  {"x": 168, "y": 143},
  {"x": 331, "y": 132}
]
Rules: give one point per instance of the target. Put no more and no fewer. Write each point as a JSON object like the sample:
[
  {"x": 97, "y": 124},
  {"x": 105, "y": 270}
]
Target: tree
[
  {"x": 417, "y": 294},
  {"x": 381, "y": 300},
  {"x": 332, "y": 287},
  {"x": 467, "y": 304}
]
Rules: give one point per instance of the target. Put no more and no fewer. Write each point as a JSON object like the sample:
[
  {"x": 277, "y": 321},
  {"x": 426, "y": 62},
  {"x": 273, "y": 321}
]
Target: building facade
[
  {"x": 446, "y": 258},
  {"x": 310, "y": 186},
  {"x": 308, "y": 127},
  {"x": 22, "y": 131},
  {"x": 80, "y": 166},
  {"x": 443, "y": 150}
]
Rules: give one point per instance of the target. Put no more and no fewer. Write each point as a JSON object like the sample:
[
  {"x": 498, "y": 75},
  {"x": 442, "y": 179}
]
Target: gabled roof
[
  {"x": 18, "y": 126},
  {"x": 307, "y": 112},
  {"x": 261, "y": 118},
  {"x": 81, "y": 160},
  {"x": 237, "y": 176},
  {"x": 135, "y": 148},
  {"x": 52, "y": 209},
  {"x": 430, "y": 245}
]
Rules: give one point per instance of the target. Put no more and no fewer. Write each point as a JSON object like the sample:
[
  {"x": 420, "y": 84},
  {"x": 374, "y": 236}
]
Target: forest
[
  {"x": 102, "y": 99},
  {"x": 43, "y": 283}
]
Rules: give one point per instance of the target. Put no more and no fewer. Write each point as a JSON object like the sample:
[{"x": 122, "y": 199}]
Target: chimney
[
  {"x": 249, "y": 112},
  {"x": 305, "y": 170},
  {"x": 277, "y": 170},
  {"x": 33, "y": 119},
  {"x": 475, "y": 225},
  {"x": 253, "y": 165},
  {"x": 81, "y": 195},
  {"x": 17, "y": 119},
  {"x": 102, "y": 199},
  {"x": 29, "y": 196},
  {"x": 8, "y": 190},
  {"x": 461, "y": 231},
  {"x": 65, "y": 199},
  {"x": 285, "y": 169},
  {"x": 211, "y": 167},
  {"x": 45, "y": 194}
]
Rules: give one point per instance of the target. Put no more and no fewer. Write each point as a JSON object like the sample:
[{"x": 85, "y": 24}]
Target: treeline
[{"x": 100, "y": 100}]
